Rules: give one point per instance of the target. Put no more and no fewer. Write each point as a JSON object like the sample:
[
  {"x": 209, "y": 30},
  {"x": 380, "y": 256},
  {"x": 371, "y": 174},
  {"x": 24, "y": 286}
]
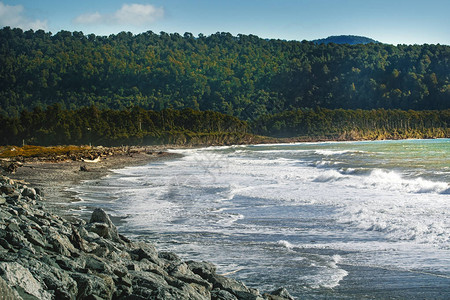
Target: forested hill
[
  {"x": 243, "y": 76},
  {"x": 346, "y": 39}
]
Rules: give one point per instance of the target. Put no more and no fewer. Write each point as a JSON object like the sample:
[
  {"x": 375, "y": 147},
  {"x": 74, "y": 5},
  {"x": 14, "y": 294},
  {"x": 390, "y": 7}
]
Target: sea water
[{"x": 334, "y": 220}]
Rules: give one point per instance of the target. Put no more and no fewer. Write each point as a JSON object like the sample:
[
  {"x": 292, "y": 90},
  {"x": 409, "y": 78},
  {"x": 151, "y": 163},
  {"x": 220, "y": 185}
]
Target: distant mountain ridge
[{"x": 346, "y": 39}]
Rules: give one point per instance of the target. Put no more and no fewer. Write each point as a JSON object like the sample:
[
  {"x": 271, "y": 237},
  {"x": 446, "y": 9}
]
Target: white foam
[
  {"x": 326, "y": 163},
  {"x": 418, "y": 218},
  {"x": 328, "y": 274},
  {"x": 328, "y": 152},
  {"x": 329, "y": 279},
  {"x": 230, "y": 219},
  {"x": 356, "y": 204},
  {"x": 392, "y": 180},
  {"x": 291, "y": 151},
  {"x": 329, "y": 175},
  {"x": 285, "y": 244}
]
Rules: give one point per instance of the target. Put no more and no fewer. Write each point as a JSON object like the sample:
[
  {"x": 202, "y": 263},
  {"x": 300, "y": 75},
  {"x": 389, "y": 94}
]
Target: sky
[{"x": 388, "y": 21}]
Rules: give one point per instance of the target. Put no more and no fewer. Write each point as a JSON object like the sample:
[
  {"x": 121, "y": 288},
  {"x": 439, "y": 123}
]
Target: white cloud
[
  {"x": 89, "y": 18},
  {"x": 13, "y": 16},
  {"x": 138, "y": 14},
  {"x": 128, "y": 14}
]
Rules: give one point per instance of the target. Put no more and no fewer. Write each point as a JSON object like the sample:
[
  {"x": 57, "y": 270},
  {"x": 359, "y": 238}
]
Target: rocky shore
[{"x": 45, "y": 256}]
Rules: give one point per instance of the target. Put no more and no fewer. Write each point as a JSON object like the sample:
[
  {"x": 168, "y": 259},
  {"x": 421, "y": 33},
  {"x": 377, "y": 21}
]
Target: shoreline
[{"x": 55, "y": 178}]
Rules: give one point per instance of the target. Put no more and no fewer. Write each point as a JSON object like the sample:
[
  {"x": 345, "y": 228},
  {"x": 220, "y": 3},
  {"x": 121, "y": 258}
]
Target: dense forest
[
  {"x": 90, "y": 125},
  {"x": 243, "y": 76},
  {"x": 340, "y": 124},
  {"x": 136, "y": 126}
]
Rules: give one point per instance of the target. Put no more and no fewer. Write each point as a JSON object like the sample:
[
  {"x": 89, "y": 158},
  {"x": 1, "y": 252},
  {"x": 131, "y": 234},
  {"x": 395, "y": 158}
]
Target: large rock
[
  {"x": 147, "y": 285},
  {"x": 279, "y": 294},
  {"x": 145, "y": 251},
  {"x": 204, "y": 269},
  {"x": 235, "y": 287},
  {"x": 35, "y": 238},
  {"x": 218, "y": 294},
  {"x": 101, "y": 224},
  {"x": 23, "y": 281},
  {"x": 55, "y": 279},
  {"x": 98, "y": 265},
  {"x": 100, "y": 216},
  {"x": 29, "y": 192},
  {"x": 94, "y": 287},
  {"x": 61, "y": 243},
  {"x": 7, "y": 190},
  {"x": 6, "y": 292},
  {"x": 182, "y": 272}
]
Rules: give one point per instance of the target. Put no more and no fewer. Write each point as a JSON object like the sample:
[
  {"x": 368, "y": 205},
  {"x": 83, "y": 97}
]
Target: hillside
[
  {"x": 243, "y": 76},
  {"x": 346, "y": 39}
]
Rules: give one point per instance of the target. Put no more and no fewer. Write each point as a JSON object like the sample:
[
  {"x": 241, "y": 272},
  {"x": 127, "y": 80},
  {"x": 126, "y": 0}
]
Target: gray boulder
[
  {"x": 7, "y": 190},
  {"x": 217, "y": 294},
  {"x": 23, "y": 281},
  {"x": 7, "y": 292},
  {"x": 204, "y": 269},
  {"x": 235, "y": 287},
  {"x": 207, "y": 271},
  {"x": 91, "y": 286},
  {"x": 100, "y": 216},
  {"x": 279, "y": 294},
  {"x": 101, "y": 224},
  {"x": 29, "y": 192},
  {"x": 147, "y": 285},
  {"x": 35, "y": 238},
  {"x": 182, "y": 272},
  {"x": 145, "y": 251},
  {"x": 61, "y": 243},
  {"x": 56, "y": 280}
]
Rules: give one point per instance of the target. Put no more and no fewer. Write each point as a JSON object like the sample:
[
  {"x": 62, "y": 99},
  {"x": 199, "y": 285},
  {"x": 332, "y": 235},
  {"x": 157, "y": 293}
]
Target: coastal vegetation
[
  {"x": 90, "y": 125},
  {"x": 136, "y": 126},
  {"x": 340, "y": 124}
]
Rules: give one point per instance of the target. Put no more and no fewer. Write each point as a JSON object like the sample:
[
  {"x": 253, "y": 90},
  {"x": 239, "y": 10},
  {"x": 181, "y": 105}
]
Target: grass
[{"x": 39, "y": 151}]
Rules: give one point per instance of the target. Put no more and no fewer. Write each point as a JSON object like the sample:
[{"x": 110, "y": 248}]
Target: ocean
[{"x": 329, "y": 220}]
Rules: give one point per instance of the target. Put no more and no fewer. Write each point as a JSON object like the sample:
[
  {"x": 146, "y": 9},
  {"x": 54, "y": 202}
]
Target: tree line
[
  {"x": 243, "y": 76},
  {"x": 91, "y": 125},
  {"x": 340, "y": 124},
  {"x": 136, "y": 126}
]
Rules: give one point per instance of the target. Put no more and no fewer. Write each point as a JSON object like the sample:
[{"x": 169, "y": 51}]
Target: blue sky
[{"x": 388, "y": 21}]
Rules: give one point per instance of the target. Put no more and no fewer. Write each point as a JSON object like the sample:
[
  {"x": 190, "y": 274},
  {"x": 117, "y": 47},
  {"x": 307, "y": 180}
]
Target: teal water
[{"x": 341, "y": 220}]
